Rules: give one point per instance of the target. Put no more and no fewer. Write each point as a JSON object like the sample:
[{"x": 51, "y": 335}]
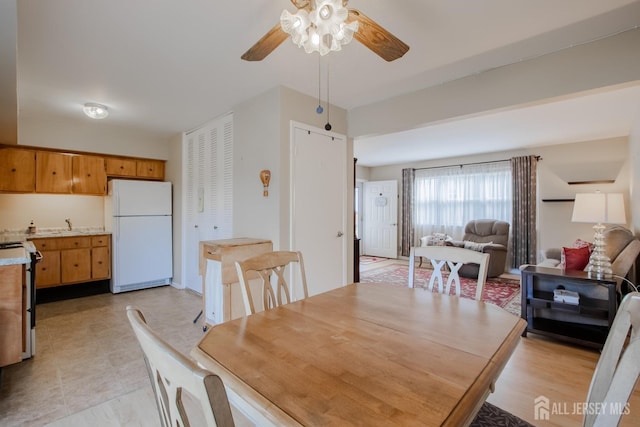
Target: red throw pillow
[{"x": 576, "y": 258}]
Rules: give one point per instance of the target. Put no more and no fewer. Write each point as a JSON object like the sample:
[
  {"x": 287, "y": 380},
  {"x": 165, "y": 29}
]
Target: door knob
[{"x": 340, "y": 234}]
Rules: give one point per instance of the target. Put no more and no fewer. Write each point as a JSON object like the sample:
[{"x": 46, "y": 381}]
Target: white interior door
[
  {"x": 381, "y": 218},
  {"x": 318, "y": 200}
]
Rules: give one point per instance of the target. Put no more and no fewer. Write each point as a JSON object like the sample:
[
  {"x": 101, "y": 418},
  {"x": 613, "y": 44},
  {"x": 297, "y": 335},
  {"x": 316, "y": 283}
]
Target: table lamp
[{"x": 599, "y": 208}]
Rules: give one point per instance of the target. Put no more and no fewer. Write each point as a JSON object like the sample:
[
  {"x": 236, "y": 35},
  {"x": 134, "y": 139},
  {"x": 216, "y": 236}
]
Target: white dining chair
[
  {"x": 270, "y": 268},
  {"x": 618, "y": 368},
  {"x": 453, "y": 258},
  {"x": 177, "y": 381}
]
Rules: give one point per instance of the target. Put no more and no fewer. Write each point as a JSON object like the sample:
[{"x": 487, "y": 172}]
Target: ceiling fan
[{"x": 326, "y": 25}]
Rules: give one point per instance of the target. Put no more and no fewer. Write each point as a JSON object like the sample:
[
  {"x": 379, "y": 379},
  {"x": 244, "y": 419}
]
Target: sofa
[{"x": 622, "y": 248}]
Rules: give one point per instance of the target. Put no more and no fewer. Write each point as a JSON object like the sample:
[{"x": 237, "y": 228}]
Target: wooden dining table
[{"x": 363, "y": 354}]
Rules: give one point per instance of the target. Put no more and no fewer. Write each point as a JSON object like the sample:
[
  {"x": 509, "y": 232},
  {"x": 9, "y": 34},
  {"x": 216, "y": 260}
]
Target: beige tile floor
[{"x": 88, "y": 362}]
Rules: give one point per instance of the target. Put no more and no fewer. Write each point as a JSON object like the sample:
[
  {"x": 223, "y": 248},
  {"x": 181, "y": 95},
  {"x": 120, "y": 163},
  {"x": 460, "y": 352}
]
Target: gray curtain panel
[
  {"x": 407, "y": 211},
  {"x": 523, "y": 229}
]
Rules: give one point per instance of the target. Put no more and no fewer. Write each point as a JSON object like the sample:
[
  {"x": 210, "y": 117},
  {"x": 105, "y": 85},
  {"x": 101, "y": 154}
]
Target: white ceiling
[{"x": 166, "y": 66}]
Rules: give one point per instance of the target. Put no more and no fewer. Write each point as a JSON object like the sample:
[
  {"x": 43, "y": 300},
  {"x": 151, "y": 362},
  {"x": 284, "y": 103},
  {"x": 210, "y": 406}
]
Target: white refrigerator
[{"x": 138, "y": 216}]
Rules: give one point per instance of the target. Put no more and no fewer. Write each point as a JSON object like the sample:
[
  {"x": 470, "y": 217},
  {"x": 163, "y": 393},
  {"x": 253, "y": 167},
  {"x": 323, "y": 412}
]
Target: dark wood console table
[{"x": 586, "y": 323}]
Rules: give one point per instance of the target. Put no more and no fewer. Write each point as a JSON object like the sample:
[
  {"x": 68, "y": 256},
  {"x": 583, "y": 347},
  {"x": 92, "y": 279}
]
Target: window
[{"x": 445, "y": 199}]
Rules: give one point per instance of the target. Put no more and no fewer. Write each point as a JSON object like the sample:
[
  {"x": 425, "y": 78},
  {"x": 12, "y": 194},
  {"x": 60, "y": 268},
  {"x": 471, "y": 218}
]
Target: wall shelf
[
  {"x": 600, "y": 181},
  {"x": 558, "y": 200}
]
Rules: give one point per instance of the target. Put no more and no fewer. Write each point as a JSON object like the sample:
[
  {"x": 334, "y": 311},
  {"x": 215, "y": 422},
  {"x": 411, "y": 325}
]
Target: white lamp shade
[{"x": 599, "y": 208}]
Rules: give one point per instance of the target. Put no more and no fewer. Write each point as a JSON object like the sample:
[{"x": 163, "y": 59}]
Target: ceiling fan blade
[
  {"x": 376, "y": 38},
  {"x": 266, "y": 44}
]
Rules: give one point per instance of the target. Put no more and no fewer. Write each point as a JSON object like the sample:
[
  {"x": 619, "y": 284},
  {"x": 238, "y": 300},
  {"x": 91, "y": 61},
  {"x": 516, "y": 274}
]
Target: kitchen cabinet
[
  {"x": 121, "y": 167},
  {"x": 69, "y": 260},
  {"x": 75, "y": 265},
  {"x": 89, "y": 175},
  {"x": 100, "y": 257},
  {"x": 48, "y": 270},
  {"x": 12, "y": 286},
  {"x": 53, "y": 172},
  {"x": 33, "y": 169},
  {"x": 153, "y": 169},
  {"x": 135, "y": 168},
  {"x": 17, "y": 170}
]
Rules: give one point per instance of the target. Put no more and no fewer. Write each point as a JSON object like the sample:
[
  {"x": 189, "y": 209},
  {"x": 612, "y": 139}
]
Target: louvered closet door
[{"x": 208, "y": 154}]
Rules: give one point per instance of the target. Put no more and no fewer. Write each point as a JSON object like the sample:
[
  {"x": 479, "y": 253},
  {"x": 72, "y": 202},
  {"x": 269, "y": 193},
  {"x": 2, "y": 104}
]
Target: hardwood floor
[
  {"x": 88, "y": 369},
  {"x": 558, "y": 371}
]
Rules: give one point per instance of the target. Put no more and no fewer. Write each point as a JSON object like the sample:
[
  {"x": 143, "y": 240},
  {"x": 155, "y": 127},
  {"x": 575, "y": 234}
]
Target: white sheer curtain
[{"x": 445, "y": 199}]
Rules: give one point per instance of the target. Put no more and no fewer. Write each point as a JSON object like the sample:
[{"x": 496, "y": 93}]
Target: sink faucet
[{"x": 68, "y": 221}]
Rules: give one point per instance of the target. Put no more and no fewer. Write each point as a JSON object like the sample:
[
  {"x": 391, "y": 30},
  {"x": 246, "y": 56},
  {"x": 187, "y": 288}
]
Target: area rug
[
  {"x": 365, "y": 259},
  {"x": 502, "y": 292}
]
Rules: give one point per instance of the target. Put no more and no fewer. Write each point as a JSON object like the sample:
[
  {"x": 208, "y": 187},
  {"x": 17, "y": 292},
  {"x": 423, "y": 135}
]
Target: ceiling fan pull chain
[
  {"x": 319, "y": 110},
  {"x": 328, "y": 125}
]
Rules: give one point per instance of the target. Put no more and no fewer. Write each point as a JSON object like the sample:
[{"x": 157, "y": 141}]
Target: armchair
[{"x": 491, "y": 237}]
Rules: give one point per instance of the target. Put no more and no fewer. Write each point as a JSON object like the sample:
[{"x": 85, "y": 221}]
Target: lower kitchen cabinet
[
  {"x": 48, "y": 269},
  {"x": 100, "y": 263},
  {"x": 75, "y": 265},
  {"x": 11, "y": 309},
  {"x": 70, "y": 260}
]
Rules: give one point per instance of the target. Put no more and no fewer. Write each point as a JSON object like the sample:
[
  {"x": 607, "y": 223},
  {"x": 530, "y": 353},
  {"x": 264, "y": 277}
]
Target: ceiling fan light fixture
[
  {"x": 95, "y": 111},
  {"x": 322, "y": 29},
  {"x": 294, "y": 23}
]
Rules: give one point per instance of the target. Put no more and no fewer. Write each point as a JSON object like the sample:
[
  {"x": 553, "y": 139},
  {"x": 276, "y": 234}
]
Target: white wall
[
  {"x": 256, "y": 133},
  {"x": 555, "y": 228},
  {"x": 262, "y": 141},
  {"x": 634, "y": 158},
  {"x": 173, "y": 173},
  {"x": 84, "y": 134},
  {"x": 50, "y": 211},
  {"x": 605, "y": 62}
]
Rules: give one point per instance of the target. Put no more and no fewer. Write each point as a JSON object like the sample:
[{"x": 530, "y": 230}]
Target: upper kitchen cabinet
[
  {"x": 44, "y": 170},
  {"x": 53, "y": 172},
  {"x": 89, "y": 175},
  {"x": 150, "y": 169},
  {"x": 17, "y": 170},
  {"x": 117, "y": 166},
  {"x": 135, "y": 168}
]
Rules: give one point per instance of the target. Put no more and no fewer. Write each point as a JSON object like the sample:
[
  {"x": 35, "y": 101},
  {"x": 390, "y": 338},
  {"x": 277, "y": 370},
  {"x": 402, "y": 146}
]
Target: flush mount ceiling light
[
  {"x": 324, "y": 26},
  {"x": 95, "y": 111}
]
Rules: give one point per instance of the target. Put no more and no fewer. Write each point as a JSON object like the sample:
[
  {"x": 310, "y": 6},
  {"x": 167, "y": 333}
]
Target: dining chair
[
  {"x": 453, "y": 258},
  {"x": 270, "y": 268},
  {"x": 618, "y": 367},
  {"x": 177, "y": 381}
]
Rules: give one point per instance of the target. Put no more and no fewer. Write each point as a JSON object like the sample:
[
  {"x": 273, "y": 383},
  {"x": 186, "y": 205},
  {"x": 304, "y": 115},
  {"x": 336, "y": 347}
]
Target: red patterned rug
[
  {"x": 502, "y": 292},
  {"x": 365, "y": 259}
]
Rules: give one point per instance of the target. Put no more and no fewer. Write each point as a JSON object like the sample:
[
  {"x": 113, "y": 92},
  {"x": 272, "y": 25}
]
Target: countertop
[
  {"x": 73, "y": 233},
  {"x": 44, "y": 233},
  {"x": 17, "y": 255}
]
